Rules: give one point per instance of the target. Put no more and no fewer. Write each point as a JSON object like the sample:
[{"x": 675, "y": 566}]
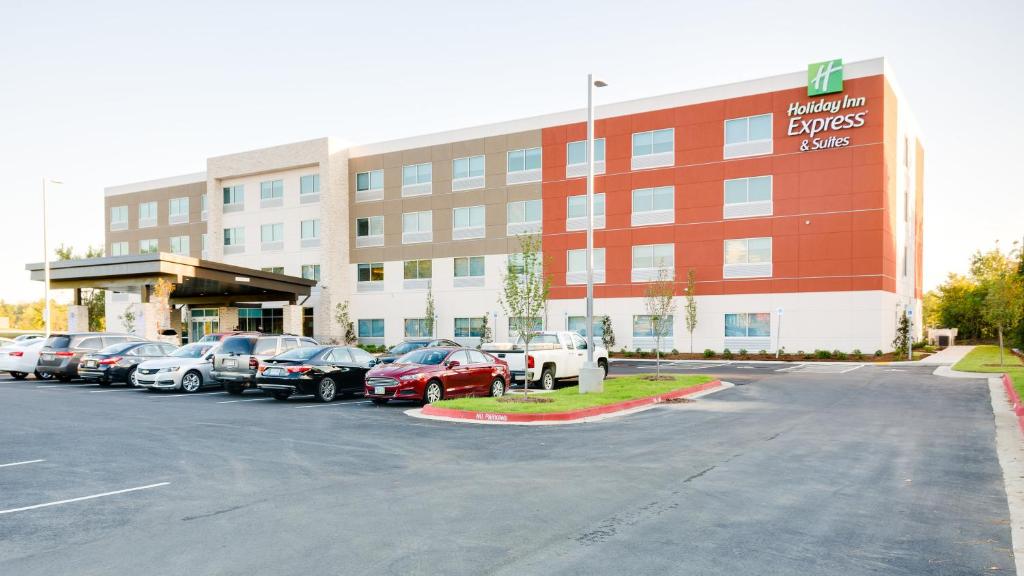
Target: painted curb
[
  {"x": 571, "y": 416},
  {"x": 1011, "y": 394}
]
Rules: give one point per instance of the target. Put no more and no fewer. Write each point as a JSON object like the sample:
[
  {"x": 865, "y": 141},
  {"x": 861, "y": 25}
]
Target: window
[
  {"x": 309, "y": 184},
  {"x": 747, "y": 325},
  {"x": 119, "y": 249},
  {"x": 654, "y": 143},
  {"x": 516, "y": 264},
  {"x": 309, "y": 229},
  {"x": 416, "y": 328},
  {"x": 646, "y": 326},
  {"x": 468, "y": 222},
  {"x": 273, "y": 269},
  {"x": 576, "y": 266},
  {"x": 311, "y": 272},
  {"x": 469, "y": 327},
  {"x": 203, "y": 244},
  {"x": 578, "y": 324},
  {"x": 749, "y": 136},
  {"x": 576, "y": 212},
  {"x": 202, "y": 207},
  {"x": 178, "y": 208},
  {"x": 149, "y": 246},
  {"x": 234, "y": 195},
  {"x": 524, "y": 212},
  {"x": 472, "y": 266},
  {"x": 653, "y": 206},
  {"x": 372, "y": 180},
  {"x": 271, "y": 233},
  {"x": 653, "y": 256},
  {"x": 418, "y": 269},
  {"x": 271, "y": 190},
  {"x": 372, "y": 272},
  {"x": 119, "y": 218},
  {"x": 469, "y": 167},
  {"x": 523, "y": 165},
  {"x": 371, "y": 328},
  {"x": 234, "y": 236},
  {"x": 413, "y": 174},
  {"x": 748, "y": 258},
  {"x": 417, "y": 227},
  {"x": 369, "y": 231},
  {"x": 179, "y": 245},
  {"x": 746, "y": 197},
  {"x": 147, "y": 214},
  {"x": 577, "y": 152},
  {"x": 535, "y": 324}
]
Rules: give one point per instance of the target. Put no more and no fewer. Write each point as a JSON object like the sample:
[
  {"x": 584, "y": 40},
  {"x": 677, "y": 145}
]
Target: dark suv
[
  {"x": 236, "y": 363},
  {"x": 61, "y": 353}
]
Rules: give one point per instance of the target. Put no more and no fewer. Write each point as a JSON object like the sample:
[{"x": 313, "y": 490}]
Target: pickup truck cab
[{"x": 553, "y": 356}]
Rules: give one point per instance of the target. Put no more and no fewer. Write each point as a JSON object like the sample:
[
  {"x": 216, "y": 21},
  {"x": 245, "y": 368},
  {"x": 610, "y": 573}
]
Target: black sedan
[
  {"x": 410, "y": 344},
  {"x": 117, "y": 362},
  {"x": 323, "y": 371}
]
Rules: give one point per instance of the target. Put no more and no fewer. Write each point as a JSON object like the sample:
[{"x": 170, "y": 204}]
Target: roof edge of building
[{"x": 156, "y": 184}]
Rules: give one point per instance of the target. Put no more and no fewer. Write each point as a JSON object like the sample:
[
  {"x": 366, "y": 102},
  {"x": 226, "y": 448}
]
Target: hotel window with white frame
[
  {"x": 417, "y": 179},
  {"x": 311, "y": 272},
  {"x": 416, "y": 328},
  {"x": 147, "y": 214},
  {"x": 203, "y": 213},
  {"x": 309, "y": 188},
  {"x": 273, "y": 269},
  {"x": 370, "y": 277},
  {"x": 469, "y": 327},
  {"x": 149, "y": 246},
  {"x": 234, "y": 198},
  {"x": 747, "y": 197},
  {"x": 653, "y": 206},
  {"x": 576, "y": 266},
  {"x": 177, "y": 210},
  {"x": 576, "y": 212},
  {"x": 524, "y": 165},
  {"x": 119, "y": 218},
  {"x": 524, "y": 217},
  {"x": 516, "y": 263},
  {"x": 653, "y": 149},
  {"x": 532, "y": 324},
  {"x": 468, "y": 222},
  {"x": 748, "y": 258},
  {"x": 468, "y": 173},
  {"x": 578, "y": 324},
  {"x": 180, "y": 245},
  {"x": 271, "y": 193},
  {"x": 309, "y": 233},
  {"x": 203, "y": 246},
  {"x": 371, "y": 330},
  {"x": 469, "y": 272},
  {"x": 119, "y": 249},
  {"x": 416, "y": 274},
  {"x": 653, "y": 261},
  {"x": 748, "y": 136},
  {"x": 369, "y": 231},
  {"x": 576, "y": 158},
  {"x": 234, "y": 240},
  {"x": 417, "y": 227},
  {"x": 751, "y": 331},
  {"x": 271, "y": 236},
  {"x": 646, "y": 329},
  {"x": 370, "y": 186}
]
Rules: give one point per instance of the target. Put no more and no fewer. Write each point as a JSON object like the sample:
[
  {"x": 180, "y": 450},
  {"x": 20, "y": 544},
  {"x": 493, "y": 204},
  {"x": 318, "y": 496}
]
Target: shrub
[
  {"x": 675, "y": 352},
  {"x": 727, "y": 354},
  {"x": 709, "y": 353},
  {"x": 743, "y": 352},
  {"x": 638, "y": 352},
  {"x": 808, "y": 356},
  {"x": 822, "y": 354},
  {"x": 878, "y": 353},
  {"x": 857, "y": 353},
  {"x": 839, "y": 355},
  {"x": 764, "y": 352}
]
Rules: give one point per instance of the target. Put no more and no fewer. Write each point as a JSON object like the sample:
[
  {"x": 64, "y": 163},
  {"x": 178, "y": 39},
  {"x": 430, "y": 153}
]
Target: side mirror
[
  {"x": 209, "y": 358},
  {"x": 453, "y": 364},
  {"x": 373, "y": 362}
]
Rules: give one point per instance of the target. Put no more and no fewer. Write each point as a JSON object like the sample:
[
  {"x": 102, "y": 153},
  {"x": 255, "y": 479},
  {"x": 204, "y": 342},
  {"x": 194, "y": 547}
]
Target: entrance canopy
[{"x": 197, "y": 282}]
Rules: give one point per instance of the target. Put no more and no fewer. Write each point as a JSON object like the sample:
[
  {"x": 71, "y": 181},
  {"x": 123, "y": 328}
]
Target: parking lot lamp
[
  {"x": 46, "y": 261},
  {"x": 591, "y": 376}
]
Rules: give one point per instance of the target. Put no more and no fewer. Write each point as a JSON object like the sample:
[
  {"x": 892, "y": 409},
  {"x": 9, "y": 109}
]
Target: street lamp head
[{"x": 600, "y": 83}]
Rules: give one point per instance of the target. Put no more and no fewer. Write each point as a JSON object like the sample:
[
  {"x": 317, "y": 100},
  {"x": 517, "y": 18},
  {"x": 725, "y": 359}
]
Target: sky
[{"x": 104, "y": 93}]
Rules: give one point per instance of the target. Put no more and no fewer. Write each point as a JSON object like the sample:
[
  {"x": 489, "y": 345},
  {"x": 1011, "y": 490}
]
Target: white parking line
[
  {"x": 246, "y": 400},
  {"x": 20, "y": 463},
  {"x": 322, "y": 404},
  {"x": 79, "y": 499},
  {"x": 188, "y": 395},
  {"x": 852, "y": 369},
  {"x": 62, "y": 385},
  {"x": 115, "y": 390}
]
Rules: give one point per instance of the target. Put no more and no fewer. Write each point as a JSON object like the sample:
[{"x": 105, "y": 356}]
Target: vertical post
[
  {"x": 46, "y": 267},
  {"x": 910, "y": 334},
  {"x": 778, "y": 335},
  {"x": 590, "y": 220}
]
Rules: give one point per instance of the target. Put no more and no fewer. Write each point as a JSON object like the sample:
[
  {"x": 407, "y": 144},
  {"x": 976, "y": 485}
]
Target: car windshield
[
  {"x": 406, "y": 347},
  {"x": 210, "y": 338},
  {"x": 195, "y": 350},
  {"x": 58, "y": 341},
  {"x": 238, "y": 345},
  {"x": 117, "y": 348},
  {"x": 425, "y": 357},
  {"x": 300, "y": 354}
]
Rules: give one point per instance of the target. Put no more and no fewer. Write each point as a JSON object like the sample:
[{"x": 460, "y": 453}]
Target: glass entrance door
[{"x": 202, "y": 321}]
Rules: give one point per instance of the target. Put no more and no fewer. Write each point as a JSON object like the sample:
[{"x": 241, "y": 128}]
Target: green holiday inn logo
[{"x": 825, "y": 77}]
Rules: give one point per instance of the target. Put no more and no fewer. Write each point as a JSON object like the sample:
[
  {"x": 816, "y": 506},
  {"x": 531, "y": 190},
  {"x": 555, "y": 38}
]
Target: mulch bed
[
  {"x": 679, "y": 400},
  {"x": 888, "y": 357}
]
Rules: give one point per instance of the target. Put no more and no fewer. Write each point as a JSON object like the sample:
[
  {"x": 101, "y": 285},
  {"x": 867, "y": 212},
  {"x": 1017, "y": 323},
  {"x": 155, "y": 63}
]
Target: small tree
[
  {"x": 902, "y": 339},
  {"x": 93, "y": 298},
  {"x": 128, "y": 319},
  {"x": 486, "y": 334},
  {"x": 691, "y": 304},
  {"x": 348, "y": 333},
  {"x": 429, "y": 314},
  {"x": 1003, "y": 305},
  {"x": 525, "y": 293},
  {"x": 660, "y": 304},
  {"x": 161, "y": 295},
  {"x": 607, "y": 334}
]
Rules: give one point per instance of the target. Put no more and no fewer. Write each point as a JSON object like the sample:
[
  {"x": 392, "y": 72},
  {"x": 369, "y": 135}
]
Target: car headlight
[
  {"x": 409, "y": 377},
  {"x": 169, "y": 369}
]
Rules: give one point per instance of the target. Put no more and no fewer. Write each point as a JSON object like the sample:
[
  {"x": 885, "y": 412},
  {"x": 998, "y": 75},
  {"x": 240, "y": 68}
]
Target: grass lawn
[
  {"x": 616, "y": 389},
  {"x": 986, "y": 359}
]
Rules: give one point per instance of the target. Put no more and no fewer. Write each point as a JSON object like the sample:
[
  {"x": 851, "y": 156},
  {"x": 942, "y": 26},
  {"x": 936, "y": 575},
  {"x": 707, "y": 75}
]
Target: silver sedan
[{"x": 186, "y": 369}]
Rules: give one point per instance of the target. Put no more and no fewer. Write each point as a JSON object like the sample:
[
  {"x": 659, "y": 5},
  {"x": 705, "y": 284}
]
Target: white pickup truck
[{"x": 553, "y": 356}]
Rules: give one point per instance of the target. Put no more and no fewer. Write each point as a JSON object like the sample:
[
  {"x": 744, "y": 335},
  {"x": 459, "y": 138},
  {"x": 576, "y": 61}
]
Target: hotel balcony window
[
  {"x": 177, "y": 211},
  {"x": 653, "y": 206},
  {"x": 748, "y": 258},
  {"x": 234, "y": 198},
  {"x": 271, "y": 194},
  {"x": 576, "y": 212},
  {"x": 751, "y": 331},
  {"x": 469, "y": 272},
  {"x": 370, "y": 277},
  {"x": 524, "y": 217},
  {"x": 417, "y": 274},
  {"x": 646, "y": 329},
  {"x": 234, "y": 240},
  {"x": 273, "y": 269},
  {"x": 654, "y": 149},
  {"x": 747, "y": 197},
  {"x": 524, "y": 165},
  {"x": 271, "y": 237},
  {"x": 180, "y": 245},
  {"x": 147, "y": 214},
  {"x": 371, "y": 330},
  {"x": 576, "y": 266},
  {"x": 749, "y": 136},
  {"x": 118, "y": 248},
  {"x": 576, "y": 158},
  {"x": 309, "y": 233},
  {"x": 311, "y": 272},
  {"x": 309, "y": 188},
  {"x": 652, "y": 262},
  {"x": 417, "y": 179},
  {"x": 118, "y": 218},
  {"x": 468, "y": 173},
  {"x": 370, "y": 186},
  {"x": 369, "y": 231},
  {"x": 149, "y": 246},
  {"x": 468, "y": 222},
  {"x": 417, "y": 227}
]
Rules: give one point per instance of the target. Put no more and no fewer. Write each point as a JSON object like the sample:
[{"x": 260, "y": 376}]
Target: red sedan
[{"x": 430, "y": 374}]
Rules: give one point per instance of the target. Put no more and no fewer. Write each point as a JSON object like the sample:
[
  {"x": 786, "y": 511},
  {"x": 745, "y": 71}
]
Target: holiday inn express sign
[{"x": 830, "y": 115}]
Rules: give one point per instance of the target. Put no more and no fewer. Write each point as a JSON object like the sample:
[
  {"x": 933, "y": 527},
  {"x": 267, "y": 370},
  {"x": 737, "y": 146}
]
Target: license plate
[
  {"x": 230, "y": 364},
  {"x": 273, "y": 372},
  {"x": 47, "y": 356},
  {"x": 378, "y": 389},
  {"x": 89, "y": 363}
]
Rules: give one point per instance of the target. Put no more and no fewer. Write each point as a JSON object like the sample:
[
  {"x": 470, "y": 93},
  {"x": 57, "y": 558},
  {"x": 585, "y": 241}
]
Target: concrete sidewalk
[{"x": 946, "y": 357}]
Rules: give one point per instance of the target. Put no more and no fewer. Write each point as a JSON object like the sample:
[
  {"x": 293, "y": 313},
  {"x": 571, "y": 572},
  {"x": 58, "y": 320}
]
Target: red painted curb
[
  {"x": 1011, "y": 394},
  {"x": 431, "y": 410}
]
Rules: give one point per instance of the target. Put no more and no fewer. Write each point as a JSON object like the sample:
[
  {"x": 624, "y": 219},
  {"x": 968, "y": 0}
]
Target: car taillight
[
  {"x": 253, "y": 363},
  {"x": 17, "y": 354},
  {"x": 111, "y": 360},
  {"x": 298, "y": 369},
  {"x": 64, "y": 354},
  {"x": 529, "y": 361}
]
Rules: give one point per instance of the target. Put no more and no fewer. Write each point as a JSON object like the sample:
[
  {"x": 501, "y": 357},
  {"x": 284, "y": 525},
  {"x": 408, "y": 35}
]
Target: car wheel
[
  {"x": 379, "y": 401},
  {"x": 233, "y": 389},
  {"x": 191, "y": 381},
  {"x": 19, "y": 375},
  {"x": 547, "y": 379},
  {"x": 497, "y": 388},
  {"x": 326, "y": 390},
  {"x": 433, "y": 393},
  {"x": 603, "y": 365},
  {"x": 282, "y": 395},
  {"x": 43, "y": 375},
  {"x": 132, "y": 379}
]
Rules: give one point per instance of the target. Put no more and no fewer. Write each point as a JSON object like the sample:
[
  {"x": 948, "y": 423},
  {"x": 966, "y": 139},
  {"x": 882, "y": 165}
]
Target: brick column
[
  {"x": 292, "y": 323},
  {"x": 78, "y": 318},
  {"x": 228, "y": 318}
]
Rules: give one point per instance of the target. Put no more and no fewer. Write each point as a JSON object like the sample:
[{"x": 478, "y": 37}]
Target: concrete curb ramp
[{"x": 594, "y": 414}]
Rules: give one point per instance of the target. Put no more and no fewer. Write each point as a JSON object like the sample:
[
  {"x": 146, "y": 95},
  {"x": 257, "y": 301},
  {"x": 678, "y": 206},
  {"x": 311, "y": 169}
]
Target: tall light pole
[
  {"x": 46, "y": 259},
  {"x": 591, "y": 376}
]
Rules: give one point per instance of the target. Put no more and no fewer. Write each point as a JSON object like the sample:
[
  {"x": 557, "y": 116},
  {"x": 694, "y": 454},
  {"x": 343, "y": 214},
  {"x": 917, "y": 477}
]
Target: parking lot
[{"x": 873, "y": 470}]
